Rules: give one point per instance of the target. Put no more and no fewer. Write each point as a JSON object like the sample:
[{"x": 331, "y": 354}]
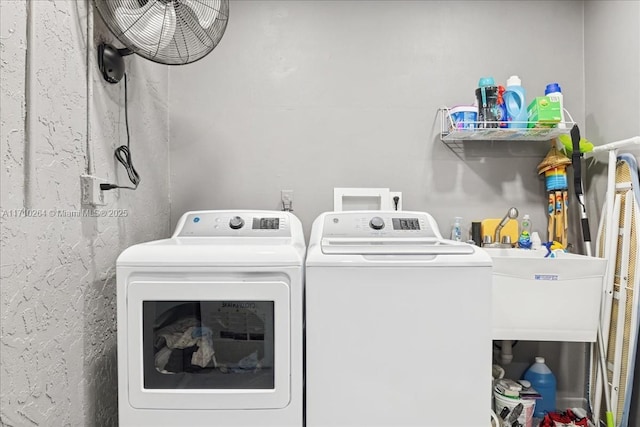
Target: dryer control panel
[
  {"x": 380, "y": 224},
  {"x": 229, "y": 223}
]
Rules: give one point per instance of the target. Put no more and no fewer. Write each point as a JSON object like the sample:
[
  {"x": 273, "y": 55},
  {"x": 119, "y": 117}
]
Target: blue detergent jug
[
  {"x": 515, "y": 102},
  {"x": 543, "y": 380}
]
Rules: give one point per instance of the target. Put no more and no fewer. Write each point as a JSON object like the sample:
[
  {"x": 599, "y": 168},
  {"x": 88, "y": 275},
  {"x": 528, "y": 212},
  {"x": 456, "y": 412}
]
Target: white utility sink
[{"x": 539, "y": 298}]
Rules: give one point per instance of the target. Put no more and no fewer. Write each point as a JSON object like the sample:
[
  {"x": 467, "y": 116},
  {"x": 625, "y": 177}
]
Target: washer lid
[{"x": 393, "y": 246}]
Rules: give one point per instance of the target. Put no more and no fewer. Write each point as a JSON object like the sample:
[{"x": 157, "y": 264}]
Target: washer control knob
[
  {"x": 376, "y": 223},
  {"x": 236, "y": 222}
]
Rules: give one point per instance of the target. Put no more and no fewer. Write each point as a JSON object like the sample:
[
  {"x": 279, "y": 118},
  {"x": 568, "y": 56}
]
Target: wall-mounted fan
[
  {"x": 169, "y": 32},
  {"x": 165, "y": 31}
]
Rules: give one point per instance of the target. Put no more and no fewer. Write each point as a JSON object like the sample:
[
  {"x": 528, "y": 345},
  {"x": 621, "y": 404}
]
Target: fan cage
[{"x": 172, "y": 32}]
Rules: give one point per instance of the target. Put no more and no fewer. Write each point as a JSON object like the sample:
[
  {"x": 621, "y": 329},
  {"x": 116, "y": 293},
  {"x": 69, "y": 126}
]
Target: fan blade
[
  {"x": 150, "y": 27},
  {"x": 206, "y": 10}
]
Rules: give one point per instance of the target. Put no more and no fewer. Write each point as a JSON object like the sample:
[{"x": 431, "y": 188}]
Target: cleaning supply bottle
[
  {"x": 487, "y": 97},
  {"x": 525, "y": 224},
  {"x": 554, "y": 90},
  {"x": 544, "y": 382},
  {"x": 456, "y": 230},
  {"x": 524, "y": 241},
  {"x": 515, "y": 102},
  {"x": 536, "y": 241},
  {"x": 502, "y": 108}
]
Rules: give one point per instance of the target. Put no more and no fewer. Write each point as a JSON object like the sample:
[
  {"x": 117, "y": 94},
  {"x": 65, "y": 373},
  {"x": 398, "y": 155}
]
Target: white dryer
[
  {"x": 398, "y": 324},
  {"x": 210, "y": 323}
]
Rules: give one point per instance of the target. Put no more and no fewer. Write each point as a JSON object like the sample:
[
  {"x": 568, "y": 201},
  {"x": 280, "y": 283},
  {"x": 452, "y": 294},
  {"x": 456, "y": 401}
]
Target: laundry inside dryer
[{"x": 208, "y": 344}]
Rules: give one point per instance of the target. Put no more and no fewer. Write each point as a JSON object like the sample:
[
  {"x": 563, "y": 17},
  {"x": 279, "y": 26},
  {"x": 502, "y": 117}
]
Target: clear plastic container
[{"x": 456, "y": 229}]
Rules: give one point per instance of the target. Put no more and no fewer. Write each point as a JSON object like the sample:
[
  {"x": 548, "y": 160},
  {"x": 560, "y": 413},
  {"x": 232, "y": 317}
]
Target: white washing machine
[
  {"x": 210, "y": 323},
  {"x": 398, "y": 324}
]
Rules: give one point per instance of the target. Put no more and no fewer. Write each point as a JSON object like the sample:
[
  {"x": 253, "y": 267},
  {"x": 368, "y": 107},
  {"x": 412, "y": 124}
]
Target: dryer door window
[{"x": 208, "y": 344}]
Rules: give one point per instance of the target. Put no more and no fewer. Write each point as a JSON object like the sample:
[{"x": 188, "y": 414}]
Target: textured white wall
[{"x": 58, "y": 319}]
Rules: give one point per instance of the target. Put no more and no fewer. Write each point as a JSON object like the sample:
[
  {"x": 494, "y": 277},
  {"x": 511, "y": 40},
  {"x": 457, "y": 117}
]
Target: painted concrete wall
[
  {"x": 612, "y": 79},
  {"x": 314, "y": 95},
  {"x": 57, "y": 298}
]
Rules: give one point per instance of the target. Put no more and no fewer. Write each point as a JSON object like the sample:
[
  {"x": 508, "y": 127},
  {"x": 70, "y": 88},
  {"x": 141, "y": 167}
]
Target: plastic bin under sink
[{"x": 545, "y": 299}]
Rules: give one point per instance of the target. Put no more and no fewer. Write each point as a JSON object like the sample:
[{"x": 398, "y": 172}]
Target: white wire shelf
[
  {"x": 505, "y": 134},
  {"x": 452, "y": 136}
]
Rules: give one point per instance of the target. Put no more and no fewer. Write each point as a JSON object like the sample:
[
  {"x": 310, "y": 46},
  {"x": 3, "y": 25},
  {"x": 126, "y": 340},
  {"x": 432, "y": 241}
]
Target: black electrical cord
[{"x": 123, "y": 152}]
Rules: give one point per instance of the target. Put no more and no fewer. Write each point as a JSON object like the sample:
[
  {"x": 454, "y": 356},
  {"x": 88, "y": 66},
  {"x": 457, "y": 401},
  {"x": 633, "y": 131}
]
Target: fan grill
[{"x": 167, "y": 31}]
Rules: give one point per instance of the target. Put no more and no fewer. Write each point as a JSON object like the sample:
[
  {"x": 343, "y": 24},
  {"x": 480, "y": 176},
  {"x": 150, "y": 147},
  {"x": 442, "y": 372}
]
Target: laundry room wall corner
[
  {"x": 612, "y": 54},
  {"x": 612, "y": 38},
  {"x": 57, "y": 295}
]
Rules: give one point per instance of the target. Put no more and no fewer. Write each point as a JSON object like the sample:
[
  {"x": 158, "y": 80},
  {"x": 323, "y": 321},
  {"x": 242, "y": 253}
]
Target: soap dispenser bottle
[
  {"x": 524, "y": 241},
  {"x": 525, "y": 224},
  {"x": 456, "y": 230}
]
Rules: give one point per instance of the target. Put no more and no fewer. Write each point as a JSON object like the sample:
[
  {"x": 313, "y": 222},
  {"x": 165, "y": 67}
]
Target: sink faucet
[{"x": 511, "y": 214}]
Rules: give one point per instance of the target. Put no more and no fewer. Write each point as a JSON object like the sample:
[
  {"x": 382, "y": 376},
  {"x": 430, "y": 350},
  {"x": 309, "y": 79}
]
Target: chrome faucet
[{"x": 511, "y": 214}]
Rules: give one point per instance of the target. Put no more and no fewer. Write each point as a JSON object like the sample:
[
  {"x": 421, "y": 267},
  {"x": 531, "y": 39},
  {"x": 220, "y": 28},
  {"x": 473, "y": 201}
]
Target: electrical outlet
[
  {"x": 91, "y": 193},
  {"x": 286, "y": 197}
]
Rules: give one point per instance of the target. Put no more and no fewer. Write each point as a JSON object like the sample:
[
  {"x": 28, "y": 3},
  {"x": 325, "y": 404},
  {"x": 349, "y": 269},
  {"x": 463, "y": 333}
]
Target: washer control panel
[
  {"x": 380, "y": 224},
  {"x": 220, "y": 224}
]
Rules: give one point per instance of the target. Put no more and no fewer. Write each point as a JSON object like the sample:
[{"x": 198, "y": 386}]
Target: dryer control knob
[
  {"x": 236, "y": 222},
  {"x": 376, "y": 223}
]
